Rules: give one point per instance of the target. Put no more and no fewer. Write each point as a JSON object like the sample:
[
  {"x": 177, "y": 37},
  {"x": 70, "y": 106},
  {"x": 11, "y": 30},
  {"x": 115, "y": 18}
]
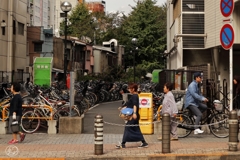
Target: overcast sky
[{"x": 123, "y": 5}]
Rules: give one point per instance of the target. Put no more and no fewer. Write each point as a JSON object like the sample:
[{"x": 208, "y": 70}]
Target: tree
[
  {"x": 111, "y": 26},
  {"x": 81, "y": 24},
  {"x": 147, "y": 23}
]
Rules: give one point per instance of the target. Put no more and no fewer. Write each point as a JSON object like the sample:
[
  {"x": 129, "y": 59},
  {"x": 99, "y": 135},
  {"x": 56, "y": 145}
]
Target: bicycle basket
[{"x": 218, "y": 105}]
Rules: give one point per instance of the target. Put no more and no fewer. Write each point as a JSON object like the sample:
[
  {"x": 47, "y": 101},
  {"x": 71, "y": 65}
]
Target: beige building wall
[
  {"x": 213, "y": 23},
  {"x": 13, "y": 53},
  {"x": 236, "y": 22}
]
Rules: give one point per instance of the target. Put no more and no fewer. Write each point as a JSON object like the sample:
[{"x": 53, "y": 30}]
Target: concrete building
[
  {"x": 41, "y": 13},
  {"x": 95, "y": 6},
  {"x": 13, "y": 38},
  {"x": 57, "y": 11},
  {"x": 103, "y": 58},
  {"x": 193, "y": 38},
  {"x": 40, "y": 42}
]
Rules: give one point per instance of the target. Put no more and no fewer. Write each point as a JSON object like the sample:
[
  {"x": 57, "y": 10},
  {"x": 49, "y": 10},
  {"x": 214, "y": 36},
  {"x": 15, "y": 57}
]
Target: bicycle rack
[{"x": 29, "y": 106}]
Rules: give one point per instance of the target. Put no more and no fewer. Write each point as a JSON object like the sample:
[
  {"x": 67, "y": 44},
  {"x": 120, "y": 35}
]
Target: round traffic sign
[
  {"x": 226, "y": 7},
  {"x": 227, "y": 36},
  {"x": 144, "y": 102}
]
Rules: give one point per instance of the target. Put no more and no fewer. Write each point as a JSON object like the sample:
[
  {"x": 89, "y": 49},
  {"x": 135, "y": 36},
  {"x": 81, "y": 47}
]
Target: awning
[
  {"x": 57, "y": 70},
  {"x": 106, "y": 49},
  {"x": 77, "y": 42}
]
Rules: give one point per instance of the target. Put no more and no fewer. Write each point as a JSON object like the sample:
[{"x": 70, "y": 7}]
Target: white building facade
[{"x": 193, "y": 37}]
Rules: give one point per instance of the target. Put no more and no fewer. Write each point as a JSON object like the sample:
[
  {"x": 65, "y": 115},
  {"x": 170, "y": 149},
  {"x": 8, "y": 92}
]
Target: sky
[{"x": 123, "y": 5}]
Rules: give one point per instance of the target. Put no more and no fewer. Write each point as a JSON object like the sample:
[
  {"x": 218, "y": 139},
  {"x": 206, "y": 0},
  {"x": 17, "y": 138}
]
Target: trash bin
[{"x": 146, "y": 113}]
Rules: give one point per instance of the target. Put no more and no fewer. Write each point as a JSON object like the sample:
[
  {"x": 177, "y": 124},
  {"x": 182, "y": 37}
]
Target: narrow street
[{"x": 109, "y": 111}]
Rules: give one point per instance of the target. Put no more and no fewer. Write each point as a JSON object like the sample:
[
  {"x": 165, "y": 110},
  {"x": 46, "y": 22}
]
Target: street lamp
[
  {"x": 134, "y": 42},
  {"x": 65, "y": 7}
]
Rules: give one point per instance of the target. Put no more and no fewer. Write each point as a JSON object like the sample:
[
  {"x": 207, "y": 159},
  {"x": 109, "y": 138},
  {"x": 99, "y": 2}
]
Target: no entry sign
[
  {"x": 227, "y": 36},
  {"x": 226, "y": 7}
]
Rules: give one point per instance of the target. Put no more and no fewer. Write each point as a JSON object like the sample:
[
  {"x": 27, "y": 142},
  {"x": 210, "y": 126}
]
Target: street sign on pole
[
  {"x": 226, "y": 7},
  {"x": 227, "y": 36},
  {"x": 227, "y": 39}
]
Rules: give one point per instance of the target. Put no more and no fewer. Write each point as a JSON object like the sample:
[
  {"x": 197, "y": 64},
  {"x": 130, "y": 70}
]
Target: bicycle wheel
[
  {"x": 30, "y": 122},
  {"x": 185, "y": 125},
  {"x": 219, "y": 126}
]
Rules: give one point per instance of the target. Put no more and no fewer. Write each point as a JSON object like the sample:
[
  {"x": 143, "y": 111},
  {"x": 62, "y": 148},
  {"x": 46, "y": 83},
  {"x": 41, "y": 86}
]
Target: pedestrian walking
[
  {"x": 133, "y": 133},
  {"x": 169, "y": 106},
  {"x": 194, "y": 99},
  {"x": 15, "y": 112}
]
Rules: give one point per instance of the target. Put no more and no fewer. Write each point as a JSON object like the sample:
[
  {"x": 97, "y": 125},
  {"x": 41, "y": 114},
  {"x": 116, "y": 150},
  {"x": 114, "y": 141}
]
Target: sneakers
[
  {"x": 22, "y": 137},
  {"x": 120, "y": 146},
  {"x": 174, "y": 139},
  {"x": 143, "y": 145},
  {"x": 197, "y": 131},
  {"x": 159, "y": 138},
  {"x": 13, "y": 141}
]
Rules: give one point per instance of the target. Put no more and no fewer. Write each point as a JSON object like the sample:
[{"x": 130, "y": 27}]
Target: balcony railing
[{"x": 30, "y": 10}]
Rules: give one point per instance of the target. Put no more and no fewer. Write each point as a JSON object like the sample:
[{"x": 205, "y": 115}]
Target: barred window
[{"x": 37, "y": 47}]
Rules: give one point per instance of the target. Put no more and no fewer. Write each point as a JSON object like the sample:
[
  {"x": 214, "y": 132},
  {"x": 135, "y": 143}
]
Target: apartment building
[
  {"x": 41, "y": 13},
  {"x": 193, "y": 37},
  {"x": 95, "y": 5},
  {"x": 13, "y": 38},
  {"x": 57, "y": 11}
]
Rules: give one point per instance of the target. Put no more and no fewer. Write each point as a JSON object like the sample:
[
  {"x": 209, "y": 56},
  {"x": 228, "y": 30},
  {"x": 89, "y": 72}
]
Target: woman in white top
[{"x": 169, "y": 106}]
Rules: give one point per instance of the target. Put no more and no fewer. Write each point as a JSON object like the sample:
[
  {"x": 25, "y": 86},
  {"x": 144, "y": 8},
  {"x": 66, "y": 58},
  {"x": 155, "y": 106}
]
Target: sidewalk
[
  {"x": 81, "y": 146},
  {"x": 75, "y": 147}
]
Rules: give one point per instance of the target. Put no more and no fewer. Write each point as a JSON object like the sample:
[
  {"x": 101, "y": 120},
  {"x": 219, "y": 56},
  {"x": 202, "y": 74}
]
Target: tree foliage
[
  {"x": 81, "y": 23},
  {"x": 147, "y": 23}
]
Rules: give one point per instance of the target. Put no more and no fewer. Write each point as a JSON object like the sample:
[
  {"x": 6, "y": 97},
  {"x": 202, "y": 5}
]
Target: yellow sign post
[{"x": 146, "y": 113}]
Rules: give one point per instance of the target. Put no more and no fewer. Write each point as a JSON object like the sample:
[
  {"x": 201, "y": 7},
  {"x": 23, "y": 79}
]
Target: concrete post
[
  {"x": 166, "y": 133},
  {"x": 233, "y": 131},
  {"x": 52, "y": 127},
  {"x": 71, "y": 92},
  {"x": 98, "y": 132}
]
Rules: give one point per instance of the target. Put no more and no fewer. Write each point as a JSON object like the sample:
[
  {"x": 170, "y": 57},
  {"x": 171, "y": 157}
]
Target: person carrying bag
[{"x": 15, "y": 114}]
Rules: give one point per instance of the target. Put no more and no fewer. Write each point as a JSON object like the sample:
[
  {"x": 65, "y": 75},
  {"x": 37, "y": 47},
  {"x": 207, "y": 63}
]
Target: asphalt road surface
[{"x": 110, "y": 112}]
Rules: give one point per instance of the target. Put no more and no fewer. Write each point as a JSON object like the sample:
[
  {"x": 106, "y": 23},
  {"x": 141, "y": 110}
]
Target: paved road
[
  {"x": 81, "y": 146},
  {"x": 110, "y": 112}
]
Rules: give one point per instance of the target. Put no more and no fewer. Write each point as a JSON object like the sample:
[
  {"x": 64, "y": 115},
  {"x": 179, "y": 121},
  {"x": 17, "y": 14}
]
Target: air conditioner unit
[
  {"x": 3, "y": 24},
  {"x": 28, "y": 69}
]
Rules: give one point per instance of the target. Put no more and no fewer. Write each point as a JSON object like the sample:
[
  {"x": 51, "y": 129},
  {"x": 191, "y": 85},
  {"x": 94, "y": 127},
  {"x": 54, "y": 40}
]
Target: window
[
  {"x": 88, "y": 55},
  {"x": 37, "y": 47},
  {"x": 14, "y": 27},
  {"x": 3, "y": 24},
  {"x": 20, "y": 28},
  {"x": 3, "y": 30}
]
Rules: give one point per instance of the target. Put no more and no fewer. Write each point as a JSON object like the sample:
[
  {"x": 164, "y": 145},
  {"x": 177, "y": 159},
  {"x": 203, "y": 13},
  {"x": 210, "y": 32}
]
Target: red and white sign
[
  {"x": 227, "y": 36},
  {"x": 144, "y": 102},
  {"x": 226, "y": 7}
]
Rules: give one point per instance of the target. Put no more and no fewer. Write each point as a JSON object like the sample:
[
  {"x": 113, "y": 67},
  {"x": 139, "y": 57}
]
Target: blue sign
[
  {"x": 226, "y": 7},
  {"x": 227, "y": 36}
]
